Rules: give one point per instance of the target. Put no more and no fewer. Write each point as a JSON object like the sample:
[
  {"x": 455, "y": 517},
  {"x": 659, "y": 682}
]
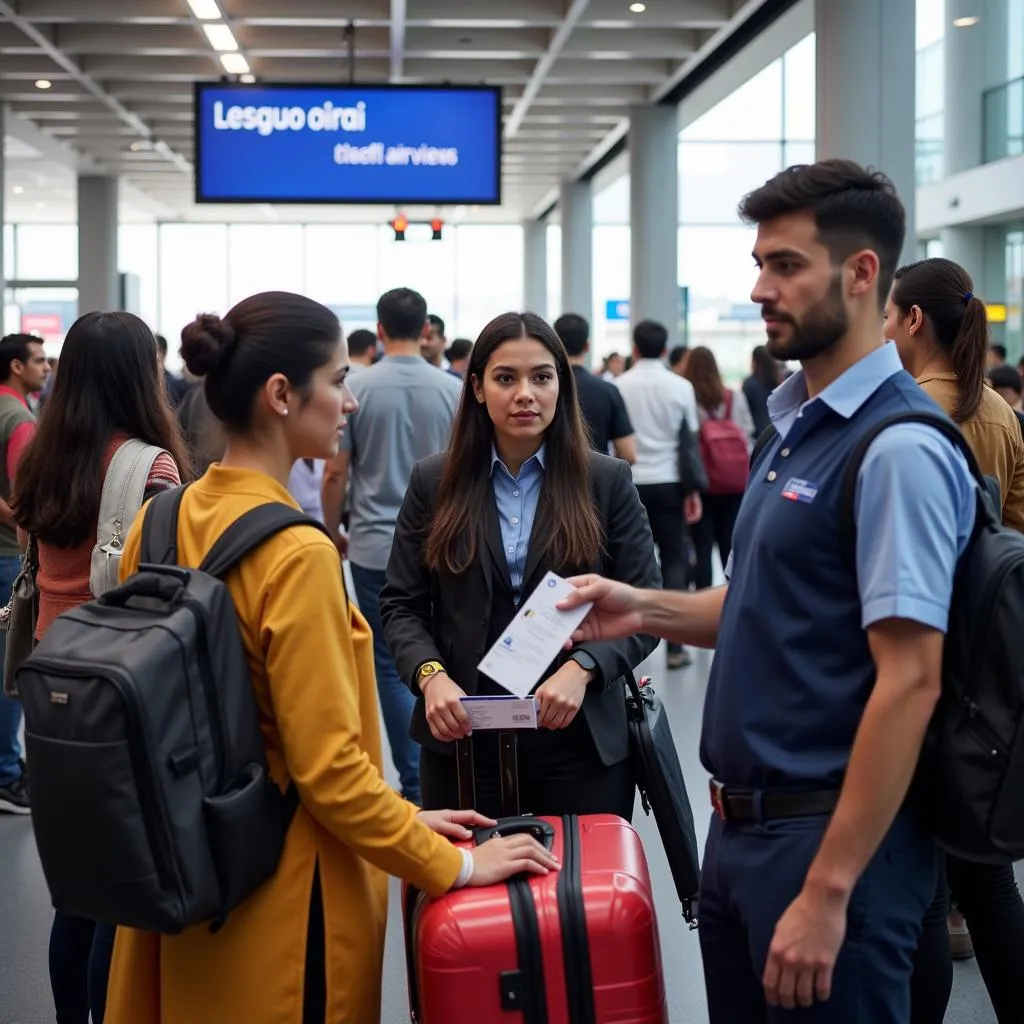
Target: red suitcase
[{"x": 577, "y": 946}]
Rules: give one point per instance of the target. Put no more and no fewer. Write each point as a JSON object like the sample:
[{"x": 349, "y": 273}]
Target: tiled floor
[{"x": 25, "y": 917}]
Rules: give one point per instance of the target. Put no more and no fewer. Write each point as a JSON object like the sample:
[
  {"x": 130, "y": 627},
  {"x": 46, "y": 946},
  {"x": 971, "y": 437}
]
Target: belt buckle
[{"x": 718, "y": 798}]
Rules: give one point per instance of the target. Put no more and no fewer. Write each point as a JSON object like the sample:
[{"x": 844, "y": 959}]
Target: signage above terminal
[{"x": 348, "y": 144}]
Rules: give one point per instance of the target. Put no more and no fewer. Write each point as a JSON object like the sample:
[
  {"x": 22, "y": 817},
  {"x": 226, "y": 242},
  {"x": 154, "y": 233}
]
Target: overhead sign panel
[{"x": 348, "y": 144}]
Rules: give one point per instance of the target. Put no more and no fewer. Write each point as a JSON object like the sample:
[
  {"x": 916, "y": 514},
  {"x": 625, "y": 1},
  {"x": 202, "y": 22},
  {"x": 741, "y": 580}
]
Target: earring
[{"x": 284, "y": 412}]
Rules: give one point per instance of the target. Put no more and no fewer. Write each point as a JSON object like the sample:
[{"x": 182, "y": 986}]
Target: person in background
[
  {"x": 518, "y": 493},
  {"x": 1007, "y": 383},
  {"x": 613, "y": 366},
  {"x": 458, "y": 356},
  {"x": 715, "y": 402},
  {"x": 24, "y": 371},
  {"x": 111, "y": 391},
  {"x": 307, "y": 947},
  {"x": 659, "y": 402},
  {"x": 305, "y": 485},
  {"x": 177, "y": 387},
  {"x": 940, "y": 329},
  {"x": 996, "y": 355},
  {"x": 406, "y": 414},
  {"x": 604, "y": 411},
  {"x": 765, "y": 377},
  {"x": 434, "y": 343},
  {"x": 362, "y": 351},
  {"x": 677, "y": 359}
]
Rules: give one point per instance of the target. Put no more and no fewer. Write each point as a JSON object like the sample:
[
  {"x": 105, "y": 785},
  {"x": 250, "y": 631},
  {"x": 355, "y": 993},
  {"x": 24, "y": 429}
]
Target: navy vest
[{"x": 792, "y": 671}]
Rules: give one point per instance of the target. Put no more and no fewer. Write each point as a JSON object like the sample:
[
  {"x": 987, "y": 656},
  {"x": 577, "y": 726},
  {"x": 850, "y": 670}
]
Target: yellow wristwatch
[{"x": 427, "y": 669}]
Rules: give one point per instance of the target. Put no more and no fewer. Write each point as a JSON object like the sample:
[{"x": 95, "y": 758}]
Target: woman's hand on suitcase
[
  {"x": 615, "y": 613},
  {"x": 455, "y": 824},
  {"x": 446, "y": 716},
  {"x": 501, "y": 858}
]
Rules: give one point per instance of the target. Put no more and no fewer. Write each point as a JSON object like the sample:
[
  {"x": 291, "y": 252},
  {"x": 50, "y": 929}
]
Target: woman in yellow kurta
[{"x": 308, "y": 946}]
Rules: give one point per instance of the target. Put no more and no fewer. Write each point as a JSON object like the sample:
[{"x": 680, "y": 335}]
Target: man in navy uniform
[{"x": 816, "y": 875}]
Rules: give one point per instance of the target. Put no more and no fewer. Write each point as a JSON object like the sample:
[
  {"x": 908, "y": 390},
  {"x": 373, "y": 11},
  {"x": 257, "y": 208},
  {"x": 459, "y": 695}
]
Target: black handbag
[
  {"x": 659, "y": 777},
  {"x": 18, "y": 619}
]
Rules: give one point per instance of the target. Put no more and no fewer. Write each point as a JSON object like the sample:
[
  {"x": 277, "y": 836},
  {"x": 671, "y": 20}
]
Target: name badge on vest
[{"x": 800, "y": 490}]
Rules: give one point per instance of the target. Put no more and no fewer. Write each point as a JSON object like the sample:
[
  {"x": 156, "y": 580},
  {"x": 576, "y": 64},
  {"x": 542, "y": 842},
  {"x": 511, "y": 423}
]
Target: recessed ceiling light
[
  {"x": 221, "y": 37},
  {"x": 638, "y": 8},
  {"x": 18, "y": 189},
  {"x": 234, "y": 63},
  {"x": 205, "y": 10},
  {"x": 247, "y": 79},
  {"x": 44, "y": 83},
  {"x": 966, "y": 22}
]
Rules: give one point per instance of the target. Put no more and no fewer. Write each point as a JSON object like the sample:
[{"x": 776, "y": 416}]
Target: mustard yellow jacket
[{"x": 312, "y": 670}]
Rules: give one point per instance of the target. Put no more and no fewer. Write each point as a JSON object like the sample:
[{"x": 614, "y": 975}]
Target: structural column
[
  {"x": 97, "y": 244},
  {"x": 535, "y": 267},
  {"x": 576, "y": 207},
  {"x": 654, "y": 215},
  {"x": 865, "y": 90}
]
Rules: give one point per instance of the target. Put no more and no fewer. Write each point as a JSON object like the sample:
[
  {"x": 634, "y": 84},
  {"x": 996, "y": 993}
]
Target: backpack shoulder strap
[
  {"x": 249, "y": 531},
  {"x": 124, "y": 486},
  {"x": 764, "y": 439},
  {"x": 848, "y": 500},
  {"x": 160, "y": 529}
]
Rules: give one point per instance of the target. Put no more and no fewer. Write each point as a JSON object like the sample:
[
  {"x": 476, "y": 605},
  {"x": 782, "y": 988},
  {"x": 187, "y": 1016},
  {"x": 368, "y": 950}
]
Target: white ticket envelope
[
  {"x": 502, "y": 713},
  {"x": 533, "y": 638}
]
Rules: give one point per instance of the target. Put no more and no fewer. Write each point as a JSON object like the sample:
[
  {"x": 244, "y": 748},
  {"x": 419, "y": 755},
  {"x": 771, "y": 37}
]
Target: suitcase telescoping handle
[
  {"x": 542, "y": 831},
  {"x": 508, "y": 769}
]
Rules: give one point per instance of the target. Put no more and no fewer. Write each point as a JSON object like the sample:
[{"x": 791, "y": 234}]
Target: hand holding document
[{"x": 533, "y": 638}]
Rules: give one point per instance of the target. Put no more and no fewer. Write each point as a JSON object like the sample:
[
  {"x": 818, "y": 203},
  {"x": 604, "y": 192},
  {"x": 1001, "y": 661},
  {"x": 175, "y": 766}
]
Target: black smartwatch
[{"x": 584, "y": 660}]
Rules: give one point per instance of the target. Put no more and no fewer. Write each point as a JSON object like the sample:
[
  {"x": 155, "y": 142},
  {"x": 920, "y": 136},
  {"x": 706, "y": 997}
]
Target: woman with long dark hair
[
  {"x": 765, "y": 377},
  {"x": 940, "y": 328},
  {"x": 518, "y": 493},
  {"x": 110, "y": 390},
  {"x": 308, "y": 946}
]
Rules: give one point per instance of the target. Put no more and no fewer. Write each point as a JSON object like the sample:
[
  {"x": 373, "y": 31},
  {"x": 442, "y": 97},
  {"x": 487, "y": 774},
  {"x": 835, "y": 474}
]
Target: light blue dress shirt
[
  {"x": 915, "y": 501},
  {"x": 516, "y": 498}
]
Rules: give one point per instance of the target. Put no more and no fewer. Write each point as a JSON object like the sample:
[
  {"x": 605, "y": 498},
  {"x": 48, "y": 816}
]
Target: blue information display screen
[{"x": 348, "y": 144}]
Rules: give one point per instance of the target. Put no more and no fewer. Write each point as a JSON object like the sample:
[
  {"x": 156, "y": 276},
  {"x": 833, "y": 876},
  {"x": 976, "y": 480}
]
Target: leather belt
[{"x": 733, "y": 804}]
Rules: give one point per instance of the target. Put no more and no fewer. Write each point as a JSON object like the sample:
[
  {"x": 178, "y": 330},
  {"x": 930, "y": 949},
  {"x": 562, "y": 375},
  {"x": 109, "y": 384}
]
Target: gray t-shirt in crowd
[{"x": 406, "y": 410}]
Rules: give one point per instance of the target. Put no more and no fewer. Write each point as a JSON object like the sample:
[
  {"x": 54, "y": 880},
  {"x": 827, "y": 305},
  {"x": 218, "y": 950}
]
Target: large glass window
[
  {"x": 488, "y": 277},
  {"x": 342, "y": 264},
  {"x": 45, "y": 252},
  {"x": 428, "y": 267},
  {"x": 264, "y": 257},
  {"x": 193, "y": 275},
  {"x": 137, "y": 254}
]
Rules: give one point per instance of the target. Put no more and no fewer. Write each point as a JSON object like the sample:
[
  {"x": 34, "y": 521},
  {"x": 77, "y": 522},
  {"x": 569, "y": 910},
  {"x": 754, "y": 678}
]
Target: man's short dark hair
[
  {"x": 436, "y": 323},
  {"x": 650, "y": 339},
  {"x": 574, "y": 331},
  {"x": 402, "y": 314},
  {"x": 999, "y": 351},
  {"x": 853, "y": 207},
  {"x": 677, "y": 355},
  {"x": 459, "y": 349},
  {"x": 362, "y": 341},
  {"x": 1006, "y": 377},
  {"x": 15, "y": 346}
]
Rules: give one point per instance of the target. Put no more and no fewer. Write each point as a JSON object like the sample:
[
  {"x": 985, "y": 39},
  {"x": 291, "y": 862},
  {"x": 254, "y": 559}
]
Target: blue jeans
[
  {"x": 10, "y": 710},
  {"x": 752, "y": 872},
  {"x": 396, "y": 699}
]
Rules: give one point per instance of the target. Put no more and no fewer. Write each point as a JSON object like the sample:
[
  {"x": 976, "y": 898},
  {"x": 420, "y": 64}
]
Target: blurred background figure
[
  {"x": 458, "y": 356},
  {"x": 765, "y": 376}
]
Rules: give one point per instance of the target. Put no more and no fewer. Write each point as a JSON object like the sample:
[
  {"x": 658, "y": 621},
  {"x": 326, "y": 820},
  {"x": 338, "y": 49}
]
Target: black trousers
[
  {"x": 987, "y": 896},
  {"x": 559, "y": 773},
  {"x": 715, "y": 527},
  {"x": 664, "y": 506},
  {"x": 80, "y": 953},
  {"x": 314, "y": 1000}
]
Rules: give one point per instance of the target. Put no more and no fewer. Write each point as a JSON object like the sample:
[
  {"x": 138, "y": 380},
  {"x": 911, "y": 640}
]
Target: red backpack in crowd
[{"x": 724, "y": 451}]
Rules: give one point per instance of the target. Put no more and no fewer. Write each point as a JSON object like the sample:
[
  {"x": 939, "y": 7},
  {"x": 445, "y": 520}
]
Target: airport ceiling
[{"x": 121, "y": 73}]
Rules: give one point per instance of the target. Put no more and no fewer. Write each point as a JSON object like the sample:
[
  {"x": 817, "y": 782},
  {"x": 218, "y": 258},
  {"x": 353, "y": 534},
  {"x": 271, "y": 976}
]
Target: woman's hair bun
[{"x": 205, "y": 342}]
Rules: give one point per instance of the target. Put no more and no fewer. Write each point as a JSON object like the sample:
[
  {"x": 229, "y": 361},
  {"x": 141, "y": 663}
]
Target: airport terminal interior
[{"x": 172, "y": 157}]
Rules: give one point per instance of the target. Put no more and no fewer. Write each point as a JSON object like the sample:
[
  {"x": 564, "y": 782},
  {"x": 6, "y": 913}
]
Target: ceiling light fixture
[
  {"x": 205, "y": 10},
  {"x": 221, "y": 37},
  {"x": 247, "y": 79},
  {"x": 18, "y": 189},
  {"x": 966, "y": 22},
  {"x": 234, "y": 63},
  {"x": 44, "y": 83},
  {"x": 638, "y": 8}
]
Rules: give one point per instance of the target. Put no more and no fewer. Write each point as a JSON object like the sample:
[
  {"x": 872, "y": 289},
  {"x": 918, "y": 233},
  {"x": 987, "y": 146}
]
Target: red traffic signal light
[
  {"x": 398, "y": 225},
  {"x": 437, "y": 226}
]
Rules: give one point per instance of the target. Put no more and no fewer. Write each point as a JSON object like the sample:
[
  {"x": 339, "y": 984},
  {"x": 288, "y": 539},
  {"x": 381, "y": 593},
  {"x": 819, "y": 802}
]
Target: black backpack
[
  {"x": 970, "y": 778},
  {"x": 151, "y": 801}
]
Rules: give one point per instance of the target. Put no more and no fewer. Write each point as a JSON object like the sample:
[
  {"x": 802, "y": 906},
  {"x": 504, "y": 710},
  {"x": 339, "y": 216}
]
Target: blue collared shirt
[
  {"x": 915, "y": 501},
  {"x": 516, "y": 498}
]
